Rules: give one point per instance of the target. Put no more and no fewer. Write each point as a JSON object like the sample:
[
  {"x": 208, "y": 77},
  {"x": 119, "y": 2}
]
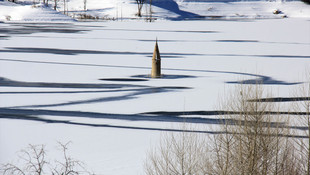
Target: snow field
[
  {"x": 168, "y": 9},
  {"x": 210, "y": 53}
]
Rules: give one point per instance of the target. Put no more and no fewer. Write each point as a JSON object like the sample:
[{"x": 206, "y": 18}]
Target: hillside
[
  {"x": 160, "y": 9},
  {"x": 26, "y": 12}
]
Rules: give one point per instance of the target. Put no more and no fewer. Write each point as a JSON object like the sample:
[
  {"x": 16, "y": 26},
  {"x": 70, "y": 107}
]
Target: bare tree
[
  {"x": 178, "y": 153},
  {"x": 69, "y": 166},
  {"x": 150, "y": 18},
  {"x": 140, "y": 5},
  {"x": 33, "y": 161},
  {"x": 255, "y": 140},
  {"x": 55, "y": 4},
  {"x": 85, "y": 3},
  {"x": 65, "y": 2},
  {"x": 303, "y": 106}
]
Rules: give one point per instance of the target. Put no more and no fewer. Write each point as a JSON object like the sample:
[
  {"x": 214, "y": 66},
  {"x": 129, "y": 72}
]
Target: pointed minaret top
[
  {"x": 156, "y": 54},
  {"x": 156, "y": 45},
  {"x": 156, "y": 62}
]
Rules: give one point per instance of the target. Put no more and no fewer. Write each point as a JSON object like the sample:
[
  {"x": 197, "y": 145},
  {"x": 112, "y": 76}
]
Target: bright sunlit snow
[
  {"x": 161, "y": 9},
  {"x": 88, "y": 82}
]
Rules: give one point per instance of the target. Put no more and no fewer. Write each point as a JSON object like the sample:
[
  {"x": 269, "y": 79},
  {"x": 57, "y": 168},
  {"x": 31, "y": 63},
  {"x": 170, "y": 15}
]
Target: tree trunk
[
  {"x": 85, "y": 2},
  {"x": 55, "y": 5}
]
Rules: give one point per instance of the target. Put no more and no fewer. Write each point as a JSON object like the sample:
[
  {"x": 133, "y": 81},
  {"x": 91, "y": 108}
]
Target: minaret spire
[{"x": 156, "y": 61}]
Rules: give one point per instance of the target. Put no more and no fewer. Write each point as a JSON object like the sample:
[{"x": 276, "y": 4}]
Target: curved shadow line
[
  {"x": 140, "y": 67},
  {"x": 171, "y": 41},
  {"x": 257, "y": 41},
  {"x": 261, "y": 78},
  {"x": 65, "y": 92},
  {"x": 25, "y": 30},
  {"x": 219, "y": 112},
  {"x": 129, "y": 96},
  {"x": 168, "y": 31},
  {"x": 32, "y": 118},
  {"x": 11, "y": 83},
  {"x": 281, "y": 99},
  {"x": 77, "y": 52},
  {"x": 231, "y": 113},
  {"x": 127, "y": 117}
]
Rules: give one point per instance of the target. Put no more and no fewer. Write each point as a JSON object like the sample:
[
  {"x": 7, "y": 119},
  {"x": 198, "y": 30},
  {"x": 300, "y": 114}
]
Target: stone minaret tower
[{"x": 156, "y": 63}]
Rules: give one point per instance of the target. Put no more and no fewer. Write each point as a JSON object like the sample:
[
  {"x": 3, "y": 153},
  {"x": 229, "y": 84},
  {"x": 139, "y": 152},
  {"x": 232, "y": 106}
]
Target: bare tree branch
[{"x": 33, "y": 161}]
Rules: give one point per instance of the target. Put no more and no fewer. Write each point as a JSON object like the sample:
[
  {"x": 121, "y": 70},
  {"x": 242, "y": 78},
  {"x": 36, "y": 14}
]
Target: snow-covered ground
[
  {"x": 26, "y": 10},
  {"x": 88, "y": 82},
  {"x": 29, "y": 13}
]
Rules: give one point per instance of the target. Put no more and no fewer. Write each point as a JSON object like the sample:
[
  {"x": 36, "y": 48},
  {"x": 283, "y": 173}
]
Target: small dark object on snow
[{"x": 277, "y": 11}]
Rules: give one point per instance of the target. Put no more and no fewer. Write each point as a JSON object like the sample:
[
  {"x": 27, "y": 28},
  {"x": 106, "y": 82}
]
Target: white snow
[
  {"x": 230, "y": 51},
  {"x": 161, "y": 9},
  {"x": 52, "y": 71},
  {"x": 39, "y": 13},
  {"x": 247, "y": 9}
]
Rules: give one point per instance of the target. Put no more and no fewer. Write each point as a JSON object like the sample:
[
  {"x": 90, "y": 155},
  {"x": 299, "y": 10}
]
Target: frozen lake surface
[{"x": 89, "y": 82}]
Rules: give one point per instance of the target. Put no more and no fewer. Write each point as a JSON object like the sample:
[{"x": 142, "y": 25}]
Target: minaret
[{"x": 156, "y": 63}]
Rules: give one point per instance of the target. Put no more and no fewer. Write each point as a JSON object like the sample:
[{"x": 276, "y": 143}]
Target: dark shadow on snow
[
  {"x": 260, "y": 78},
  {"x": 123, "y": 79},
  {"x": 68, "y": 92},
  {"x": 38, "y": 29},
  {"x": 132, "y": 95},
  {"x": 165, "y": 76},
  {"x": 172, "y": 6},
  {"x": 23, "y": 114},
  {"x": 77, "y": 52},
  {"x": 231, "y": 114},
  {"x": 263, "y": 80},
  {"x": 11, "y": 83},
  {"x": 205, "y": 41},
  {"x": 217, "y": 112},
  {"x": 237, "y": 41},
  {"x": 31, "y": 118},
  {"x": 160, "y": 30},
  {"x": 256, "y": 41},
  {"x": 95, "y": 115},
  {"x": 281, "y": 99},
  {"x": 172, "y": 55},
  {"x": 4, "y": 37}
]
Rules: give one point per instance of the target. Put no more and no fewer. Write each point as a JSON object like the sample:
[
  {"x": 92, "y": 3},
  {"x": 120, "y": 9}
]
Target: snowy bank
[
  {"x": 30, "y": 13},
  {"x": 160, "y": 9}
]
